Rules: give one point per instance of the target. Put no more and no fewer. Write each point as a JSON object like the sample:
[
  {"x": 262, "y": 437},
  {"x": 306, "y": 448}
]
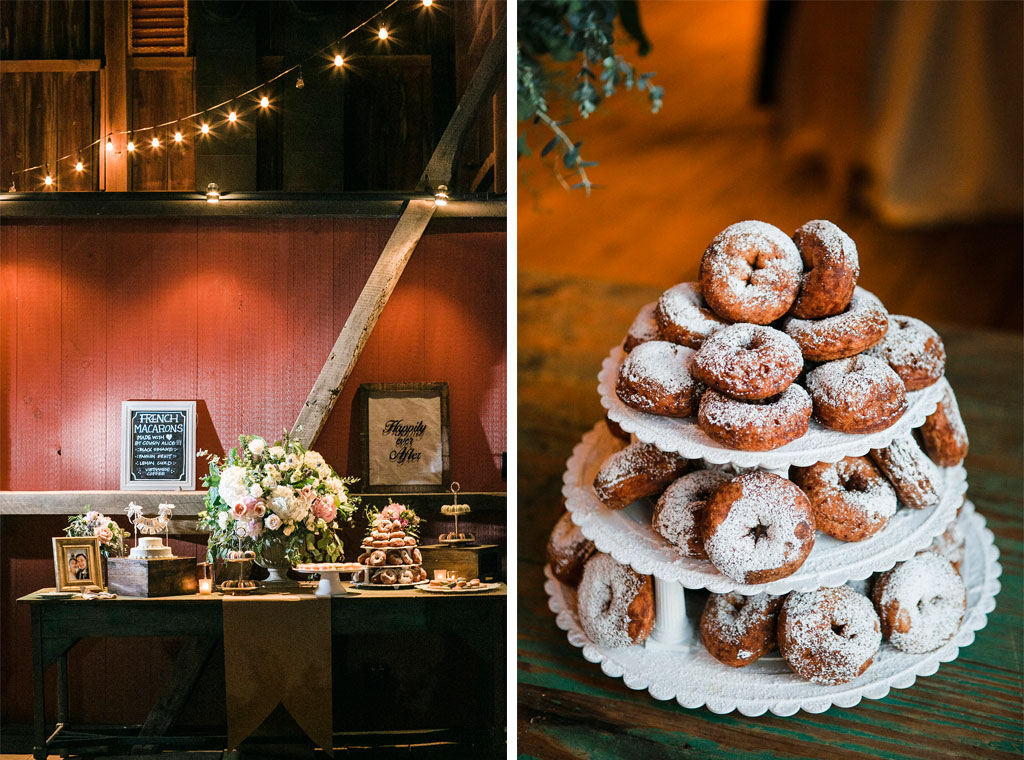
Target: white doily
[
  {"x": 627, "y": 535},
  {"x": 694, "y": 678},
  {"x": 818, "y": 444}
]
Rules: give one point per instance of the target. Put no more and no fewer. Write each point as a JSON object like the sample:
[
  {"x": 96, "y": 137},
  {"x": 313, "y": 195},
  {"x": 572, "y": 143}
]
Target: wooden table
[
  {"x": 477, "y": 619},
  {"x": 971, "y": 707}
]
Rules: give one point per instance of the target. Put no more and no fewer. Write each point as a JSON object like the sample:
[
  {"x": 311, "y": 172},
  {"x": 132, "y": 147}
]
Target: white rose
[
  {"x": 273, "y": 522},
  {"x": 277, "y": 452},
  {"x": 312, "y": 459},
  {"x": 232, "y": 485},
  {"x": 324, "y": 471},
  {"x": 222, "y": 519},
  {"x": 256, "y": 446},
  {"x": 255, "y": 490},
  {"x": 268, "y": 482}
]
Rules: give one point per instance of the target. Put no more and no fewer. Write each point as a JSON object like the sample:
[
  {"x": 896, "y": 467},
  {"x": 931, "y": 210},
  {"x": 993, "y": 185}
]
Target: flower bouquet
[
  {"x": 93, "y": 523},
  {"x": 282, "y": 502},
  {"x": 399, "y": 515}
]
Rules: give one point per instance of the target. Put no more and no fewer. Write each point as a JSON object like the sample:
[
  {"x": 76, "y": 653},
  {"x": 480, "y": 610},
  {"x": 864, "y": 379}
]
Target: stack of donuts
[
  {"x": 390, "y": 555},
  {"x": 828, "y": 636},
  {"x": 776, "y": 331}
]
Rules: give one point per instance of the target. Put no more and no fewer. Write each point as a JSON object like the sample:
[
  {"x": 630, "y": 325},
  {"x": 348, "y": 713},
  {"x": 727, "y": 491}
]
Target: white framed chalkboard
[{"x": 158, "y": 445}]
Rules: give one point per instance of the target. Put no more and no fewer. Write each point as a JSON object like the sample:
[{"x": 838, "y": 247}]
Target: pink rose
[
  {"x": 259, "y": 510},
  {"x": 249, "y": 502},
  {"x": 392, "y": 511},
  {"x": 238, "y": 510},
  {"x": 324, "y": 510},
  {"x": 104, "y": 534}
]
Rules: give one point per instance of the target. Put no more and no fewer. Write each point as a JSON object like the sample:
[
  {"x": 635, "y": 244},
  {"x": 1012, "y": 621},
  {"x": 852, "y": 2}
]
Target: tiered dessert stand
[{"x": 672, "y": 663}]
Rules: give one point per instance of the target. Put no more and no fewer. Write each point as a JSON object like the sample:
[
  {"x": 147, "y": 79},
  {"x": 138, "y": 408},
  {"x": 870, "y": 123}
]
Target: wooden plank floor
[
  {"x": 569, "y": 708},
  {"x": 710, "y": 158}
]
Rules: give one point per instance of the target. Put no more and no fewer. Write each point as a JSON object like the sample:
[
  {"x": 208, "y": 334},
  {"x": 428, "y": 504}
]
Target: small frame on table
[
  {"x": 76, "y": 561},
  {"x": 404, "y": 437}
]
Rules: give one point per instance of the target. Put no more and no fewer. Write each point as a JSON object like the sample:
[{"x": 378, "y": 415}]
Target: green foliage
[{"x": 581, "y": 31}]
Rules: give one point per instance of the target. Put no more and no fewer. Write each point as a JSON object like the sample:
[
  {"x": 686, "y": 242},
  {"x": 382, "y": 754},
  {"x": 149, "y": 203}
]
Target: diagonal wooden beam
[{"x": 389, "y": 267}]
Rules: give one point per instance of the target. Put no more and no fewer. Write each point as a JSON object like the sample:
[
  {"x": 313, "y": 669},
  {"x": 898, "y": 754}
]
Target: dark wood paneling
[{"x": 159, "y": 95}]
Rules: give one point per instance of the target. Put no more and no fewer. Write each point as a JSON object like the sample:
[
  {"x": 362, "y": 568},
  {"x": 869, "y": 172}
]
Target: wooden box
[
  {"x": 483, "y": 562},
  {"x": 170, "y": 576}
]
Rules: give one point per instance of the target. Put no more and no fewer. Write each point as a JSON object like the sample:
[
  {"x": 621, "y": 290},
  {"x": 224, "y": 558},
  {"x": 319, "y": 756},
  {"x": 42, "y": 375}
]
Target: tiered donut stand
[{"x": 672, "y": 663}]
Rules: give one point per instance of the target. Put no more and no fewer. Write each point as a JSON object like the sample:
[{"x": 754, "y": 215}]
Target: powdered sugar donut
[
  {"x": 643, "y": 329},
  {"x": 920, "y": 602},
  {"x": 748, "y": 361},
  {"x": 829, "y": 636},
  {"x": 684, "y": 318},
  {"x": 636, "y": 471},
  {"x": 680, "y": 511},
  {"x": 911, "y": 473},
  {"x": 755, "y": 425},
  {"x": 737, "y": 629},
  {"x": 863, "y": 323},
  {"x": 568, "y": 550},
  {"x": 832, "y": 268},
  {"x": 758, "y": 527},
  {"x": 615, "y": 603},
  {"x": 913, "y": 349},
  {"x": 850, "y": 498},
  {"x": 656, "y": 378},
  {"x": 750, "y": 273},
  {"x": 943, "y": 433},
  {"x": 857, "y": 395}
]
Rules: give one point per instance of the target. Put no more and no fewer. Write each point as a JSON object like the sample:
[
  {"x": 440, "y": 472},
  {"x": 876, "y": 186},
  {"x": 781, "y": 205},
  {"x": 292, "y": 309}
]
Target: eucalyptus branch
[{"x": 571, "y": 158}]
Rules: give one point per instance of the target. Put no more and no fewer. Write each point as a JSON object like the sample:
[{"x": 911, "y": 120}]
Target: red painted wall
[{"x": 239, "y": 314}]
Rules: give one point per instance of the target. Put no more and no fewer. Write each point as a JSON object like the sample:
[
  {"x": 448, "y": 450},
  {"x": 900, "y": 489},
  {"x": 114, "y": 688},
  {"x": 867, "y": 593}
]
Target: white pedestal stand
[{"x": 671, "y": 631}]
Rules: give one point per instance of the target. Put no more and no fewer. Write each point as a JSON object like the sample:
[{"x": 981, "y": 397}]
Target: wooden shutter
[{"x": 158, "y": 27}]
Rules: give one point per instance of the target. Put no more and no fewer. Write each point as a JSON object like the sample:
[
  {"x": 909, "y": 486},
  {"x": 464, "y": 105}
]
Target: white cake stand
[
  {"x": 627, "y": 535},
  {"x": 330, "y": 576},
  {"x": 818, "y": 444},
  {"x": 673, "y": 664}
]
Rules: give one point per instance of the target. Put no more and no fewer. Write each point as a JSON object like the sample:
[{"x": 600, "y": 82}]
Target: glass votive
[
  {"x": 440, "y": 575},
  {"x": 204, "y": 577},
  {"x": 206, "y": 585}
]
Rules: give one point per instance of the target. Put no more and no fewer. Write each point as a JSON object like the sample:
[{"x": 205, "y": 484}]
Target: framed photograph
[
  {"x": 76, "y": 560},
  {"x": 404, "y": 436},
  {"x": 158, "y": 445}
]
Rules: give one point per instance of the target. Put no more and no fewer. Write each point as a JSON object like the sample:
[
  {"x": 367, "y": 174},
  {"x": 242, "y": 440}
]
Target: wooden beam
[
  {"x": 49, "y": 65},
  {"x": 389, "y": 267},
  {"x": 492, "y": 65},
  {"x": 115, "y": 45}
]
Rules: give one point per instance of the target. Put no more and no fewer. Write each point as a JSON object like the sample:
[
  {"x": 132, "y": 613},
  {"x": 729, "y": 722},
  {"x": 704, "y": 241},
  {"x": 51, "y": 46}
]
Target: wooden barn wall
[{"x": 240, "y": 315}]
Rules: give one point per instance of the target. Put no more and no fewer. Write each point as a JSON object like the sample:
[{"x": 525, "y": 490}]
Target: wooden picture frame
[
  {"x": 404, "y": 429},
  {"x": 148, "y": 465},
  {"x": 84, "y": 551}
]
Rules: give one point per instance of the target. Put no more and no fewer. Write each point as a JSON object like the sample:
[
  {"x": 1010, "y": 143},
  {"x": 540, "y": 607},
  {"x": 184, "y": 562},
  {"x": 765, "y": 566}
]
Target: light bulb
[
  {"x": 48, "y": 180},
  {"x": 441, "y": 196},
  {"x": 264, "y": 101},
  {"x": 383, "y": 33},
  {"x": 338, "y": 61},
  {"x": 177, "y": 137},
  {"x": 232, "y": 117},
  {"x": 205, "y": 129},
  {"x": 110, "y": 145},
  {"x": 427, "y": 3},
  {"x": 131, "y": 146},
  {"x": 156, "y": 142},
  {"x": 79, "y": 165},
  {"x": 212, "y": 193}
]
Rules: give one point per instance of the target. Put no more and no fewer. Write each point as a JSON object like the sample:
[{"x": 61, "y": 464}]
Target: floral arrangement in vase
[
  {"x": 281, "y": 501},
  {"x": 93, "y": 523}
]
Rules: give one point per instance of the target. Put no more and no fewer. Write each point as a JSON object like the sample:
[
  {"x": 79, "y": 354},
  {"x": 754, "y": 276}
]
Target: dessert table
[
  {"x": 477, "y": 620},
  {"x": 568, "y": 707}
]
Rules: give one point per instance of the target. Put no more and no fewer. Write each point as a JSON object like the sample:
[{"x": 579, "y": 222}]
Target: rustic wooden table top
[{"x": 971, "y": 707}]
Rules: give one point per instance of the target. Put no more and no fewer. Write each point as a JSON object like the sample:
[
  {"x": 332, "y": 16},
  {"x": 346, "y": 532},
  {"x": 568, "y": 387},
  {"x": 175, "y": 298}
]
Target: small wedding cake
[{"x": 150, "y": 547}]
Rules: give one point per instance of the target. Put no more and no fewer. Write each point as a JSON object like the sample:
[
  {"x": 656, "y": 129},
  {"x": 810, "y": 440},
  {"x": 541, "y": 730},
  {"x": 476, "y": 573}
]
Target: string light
[
  {"x": 441, "y": 196},
  {"x": 79, "y": 166},
  {"x": 382, "y": 33},
  {"x": 427, "y": 3},
  {"x": 212, "y": 193}
]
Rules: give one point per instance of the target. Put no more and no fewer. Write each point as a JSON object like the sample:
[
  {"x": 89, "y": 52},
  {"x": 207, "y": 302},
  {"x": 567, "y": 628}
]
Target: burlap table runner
[{"x": 277, "y": 650}]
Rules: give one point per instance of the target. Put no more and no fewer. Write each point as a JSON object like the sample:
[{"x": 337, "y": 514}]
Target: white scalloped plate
[
  {"x": 627, "y": 535},
  {"x": 694, "y": 678},
  {"x": 818, "y": 444}
]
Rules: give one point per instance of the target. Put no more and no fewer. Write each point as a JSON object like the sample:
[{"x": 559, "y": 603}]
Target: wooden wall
[{"x": 238, "y": 314}]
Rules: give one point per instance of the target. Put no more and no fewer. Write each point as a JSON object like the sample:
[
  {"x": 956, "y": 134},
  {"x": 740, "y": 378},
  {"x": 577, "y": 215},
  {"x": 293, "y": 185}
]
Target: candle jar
[
  {"x": 440, "y": 575},
  {"x": 204, "y": 577}
]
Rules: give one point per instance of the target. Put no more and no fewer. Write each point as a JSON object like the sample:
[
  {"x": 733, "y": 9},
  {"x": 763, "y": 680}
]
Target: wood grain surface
[{"x": 568, "y": 708}]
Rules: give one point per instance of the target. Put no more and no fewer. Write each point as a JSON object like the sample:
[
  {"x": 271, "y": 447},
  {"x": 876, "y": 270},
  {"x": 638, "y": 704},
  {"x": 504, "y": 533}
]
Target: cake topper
[{"x": 149, "y": 525}]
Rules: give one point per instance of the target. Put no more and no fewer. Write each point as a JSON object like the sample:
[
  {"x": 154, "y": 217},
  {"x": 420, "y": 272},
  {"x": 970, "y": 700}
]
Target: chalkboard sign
[{"x": 158, "y": 445}]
